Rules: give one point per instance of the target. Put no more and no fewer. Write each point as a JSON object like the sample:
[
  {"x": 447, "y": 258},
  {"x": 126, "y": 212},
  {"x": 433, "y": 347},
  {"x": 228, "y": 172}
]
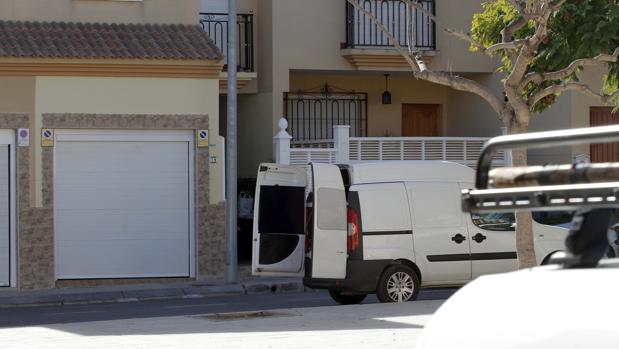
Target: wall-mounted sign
[
  {"x": 47, "y": 137},
  {"x": 23, "y": 137},
  {"x": 202, "y": 136}
]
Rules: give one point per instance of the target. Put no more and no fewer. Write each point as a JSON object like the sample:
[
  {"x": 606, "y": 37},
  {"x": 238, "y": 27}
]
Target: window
[
  {"x": 495, "y": 221},
  {"x": 560, "y": 218}
]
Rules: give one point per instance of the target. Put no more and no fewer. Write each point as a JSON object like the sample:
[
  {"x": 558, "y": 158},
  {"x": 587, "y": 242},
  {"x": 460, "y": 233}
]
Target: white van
[{"x": 387, "y": 228}]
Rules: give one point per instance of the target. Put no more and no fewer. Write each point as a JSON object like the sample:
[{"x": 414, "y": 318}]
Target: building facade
[
  {"x": 112, "y": 164},
  {"x": 122, "y": 103},
  {"x": 320, "y": 63}
]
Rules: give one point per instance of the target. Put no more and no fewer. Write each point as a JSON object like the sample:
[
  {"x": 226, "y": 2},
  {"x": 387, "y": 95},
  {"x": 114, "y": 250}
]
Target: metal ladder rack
[{"x": 547, "y": 197}]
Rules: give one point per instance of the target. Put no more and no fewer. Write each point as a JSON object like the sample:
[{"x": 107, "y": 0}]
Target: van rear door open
[
  {"x": 281, "y": 218},
  {"x": 279, "y": 221},
  {"x": 328, "y": 239}
]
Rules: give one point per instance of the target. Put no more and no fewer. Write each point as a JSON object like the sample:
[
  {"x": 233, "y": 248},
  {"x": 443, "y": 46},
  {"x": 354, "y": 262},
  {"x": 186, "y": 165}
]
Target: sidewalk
[
  {"x": 392, "y": 325},
  {"x": 140, "y": 292}
]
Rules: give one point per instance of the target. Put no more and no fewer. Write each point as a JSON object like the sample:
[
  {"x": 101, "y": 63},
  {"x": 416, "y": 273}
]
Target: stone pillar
[
  {"x": 341, "y": 142},
  {"x": 282, "y": 143}
]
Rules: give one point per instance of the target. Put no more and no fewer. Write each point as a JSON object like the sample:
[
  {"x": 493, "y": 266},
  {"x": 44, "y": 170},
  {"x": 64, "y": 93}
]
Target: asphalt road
[{"x": 19, "y": 317}]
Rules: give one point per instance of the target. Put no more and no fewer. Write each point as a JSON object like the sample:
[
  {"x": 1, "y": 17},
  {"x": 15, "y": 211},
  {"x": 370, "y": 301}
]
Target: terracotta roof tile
[{"x": 104, "y": 40}]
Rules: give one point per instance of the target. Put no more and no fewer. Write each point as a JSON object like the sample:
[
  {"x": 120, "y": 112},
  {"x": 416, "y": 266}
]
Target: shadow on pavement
[{"x": 412, "y": 315}]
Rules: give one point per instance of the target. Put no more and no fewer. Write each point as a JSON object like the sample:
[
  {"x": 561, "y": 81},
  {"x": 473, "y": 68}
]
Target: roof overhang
[
  {"x": 162, "y": 68},
  {"x": 379, "y": 58}
]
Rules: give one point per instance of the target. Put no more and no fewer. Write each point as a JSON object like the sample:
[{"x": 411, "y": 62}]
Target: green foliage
[{"x": 580, "y": 29}]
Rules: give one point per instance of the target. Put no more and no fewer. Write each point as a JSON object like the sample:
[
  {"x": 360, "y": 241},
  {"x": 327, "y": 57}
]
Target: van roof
[{"x": 390, "y": 171}]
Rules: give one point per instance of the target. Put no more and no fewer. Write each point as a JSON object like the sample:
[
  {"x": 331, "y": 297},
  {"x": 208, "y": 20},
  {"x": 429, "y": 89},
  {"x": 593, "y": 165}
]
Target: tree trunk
[{"x": 524, "y": 220}]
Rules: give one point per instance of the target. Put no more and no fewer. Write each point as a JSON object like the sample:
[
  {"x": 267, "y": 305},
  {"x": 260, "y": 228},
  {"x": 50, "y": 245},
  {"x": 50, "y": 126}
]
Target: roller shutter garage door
[
  {"x": 5, "y": 223},
  {"x": 123, "y": 204}
]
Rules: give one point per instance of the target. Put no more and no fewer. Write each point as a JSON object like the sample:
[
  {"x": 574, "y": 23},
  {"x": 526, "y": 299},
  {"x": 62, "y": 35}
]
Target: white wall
[{"x": 216, "y": 6}]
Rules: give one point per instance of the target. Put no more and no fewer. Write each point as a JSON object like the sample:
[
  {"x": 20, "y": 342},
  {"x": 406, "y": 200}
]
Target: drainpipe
[{"x": 231, "y": 147}]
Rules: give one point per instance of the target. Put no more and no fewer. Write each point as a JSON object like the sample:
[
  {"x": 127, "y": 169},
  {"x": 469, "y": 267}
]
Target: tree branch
[
  {"x": 572, "y": 86},
  {"x": 599, "y": 60},
  {"x": 515, "y": 45},
  {"x": 463, "y": 84}
]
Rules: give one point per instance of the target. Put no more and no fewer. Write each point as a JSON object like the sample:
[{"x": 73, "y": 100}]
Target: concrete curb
[{"x": 136, "y": 293}]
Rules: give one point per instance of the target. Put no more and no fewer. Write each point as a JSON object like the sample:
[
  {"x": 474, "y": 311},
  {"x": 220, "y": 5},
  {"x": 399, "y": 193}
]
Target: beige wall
[
  {"x": 17, "y": 96},
  {"x": 257, "y": 112},
  {"x": 255, "y": 134},
  {"x": 132, "y": 96},
  {"x": 111, "y": 11},
  {"x": 470, "y": 115},
  {"x": 557, "y": 117},
  {"x": 309, "y": 34}
]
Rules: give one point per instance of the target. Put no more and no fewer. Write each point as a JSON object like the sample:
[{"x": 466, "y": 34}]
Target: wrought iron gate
[{"x": 312, "y": 114}]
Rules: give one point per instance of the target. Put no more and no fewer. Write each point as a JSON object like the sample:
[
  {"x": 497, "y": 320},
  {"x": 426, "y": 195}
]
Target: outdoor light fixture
[{"x": 386, "y": 94}]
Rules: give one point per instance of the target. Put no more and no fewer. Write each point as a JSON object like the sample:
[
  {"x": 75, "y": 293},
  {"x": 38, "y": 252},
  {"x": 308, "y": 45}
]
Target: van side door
[
  {"x": 386, "y": 231},
  {"x": 493, "y": 241},
  {"x": 440, "y": 233}
]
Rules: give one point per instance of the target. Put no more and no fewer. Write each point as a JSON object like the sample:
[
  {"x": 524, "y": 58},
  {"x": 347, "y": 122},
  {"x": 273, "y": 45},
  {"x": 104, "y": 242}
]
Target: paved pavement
[
  {"x": 359, "y": 326},
  {"x": 143, "y": 292}
]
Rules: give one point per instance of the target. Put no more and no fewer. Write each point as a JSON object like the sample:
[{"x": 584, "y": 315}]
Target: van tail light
[{"x": 354, "y": 230}]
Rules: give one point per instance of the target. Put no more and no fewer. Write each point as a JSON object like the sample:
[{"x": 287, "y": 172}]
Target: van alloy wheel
[
  {"x": 398, "y": 283},
  {"x": 400, "y": 287}
]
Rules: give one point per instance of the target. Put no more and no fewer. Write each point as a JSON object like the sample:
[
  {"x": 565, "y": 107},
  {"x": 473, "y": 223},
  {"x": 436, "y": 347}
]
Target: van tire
[
  {"x": 346, "y": 299},
  {"x": 396, "y": 275}
]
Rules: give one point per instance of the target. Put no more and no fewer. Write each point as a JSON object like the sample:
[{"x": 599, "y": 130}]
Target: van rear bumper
[{"x": 361, "y": 277}]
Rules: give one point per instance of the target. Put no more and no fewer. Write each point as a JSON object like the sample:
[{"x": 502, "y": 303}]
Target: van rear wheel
[
  {"x": 346, "y": 299},
  {"x": 398, "y": 283}
]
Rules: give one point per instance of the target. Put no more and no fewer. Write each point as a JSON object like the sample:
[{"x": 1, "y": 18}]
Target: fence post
[
  {"x": 282, "y": 143},
  {"x": 341, "y": 142}
]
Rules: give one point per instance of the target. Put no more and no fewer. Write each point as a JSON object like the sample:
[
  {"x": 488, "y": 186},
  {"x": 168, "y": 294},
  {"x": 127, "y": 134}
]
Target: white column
[
  {"x": 509, "y": 162},
  {"x": 341, "y": 142},
  {"x": 282, "y": 143}
]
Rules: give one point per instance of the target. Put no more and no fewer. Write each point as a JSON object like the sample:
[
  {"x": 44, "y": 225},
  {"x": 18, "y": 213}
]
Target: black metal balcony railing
[
  {"x": 216, "y": 25},
  {"x": 403, "y": 23}
]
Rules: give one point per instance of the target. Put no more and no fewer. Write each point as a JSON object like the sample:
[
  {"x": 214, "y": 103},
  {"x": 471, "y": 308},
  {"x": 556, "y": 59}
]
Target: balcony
[
  {"x": 367, "y": 47},
  {"x": 216, "y": 25}
]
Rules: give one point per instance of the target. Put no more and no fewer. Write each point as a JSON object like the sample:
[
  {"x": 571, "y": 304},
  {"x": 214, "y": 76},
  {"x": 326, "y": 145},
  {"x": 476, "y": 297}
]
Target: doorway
[
  {"x": 608, "y": 152},
  {"x": 420, "y": 120}
]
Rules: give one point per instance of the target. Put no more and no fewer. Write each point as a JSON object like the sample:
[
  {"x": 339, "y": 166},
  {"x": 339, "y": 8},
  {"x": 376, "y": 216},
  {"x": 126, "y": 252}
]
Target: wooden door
[
  {"x": 600, "y": 116},
  {"x": 420, "y": 120}
]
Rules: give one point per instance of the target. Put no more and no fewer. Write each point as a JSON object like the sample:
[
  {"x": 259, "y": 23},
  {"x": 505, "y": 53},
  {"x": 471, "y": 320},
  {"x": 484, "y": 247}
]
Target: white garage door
[
  {"x": 7, "y": 209},
  {"x": 123, "y": 204},
  {"x": 5, "y": 225}
]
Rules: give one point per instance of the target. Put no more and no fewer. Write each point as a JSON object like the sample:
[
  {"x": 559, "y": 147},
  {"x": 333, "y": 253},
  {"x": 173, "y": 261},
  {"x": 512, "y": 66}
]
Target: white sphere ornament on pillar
[
  {"x": 282, "y": 124},
  {"x": 282, "y": 143}
]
